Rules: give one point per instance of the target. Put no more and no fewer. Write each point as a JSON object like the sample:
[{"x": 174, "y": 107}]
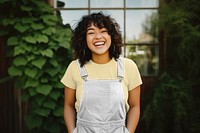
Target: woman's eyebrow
[{"x": 90, "y": 29}]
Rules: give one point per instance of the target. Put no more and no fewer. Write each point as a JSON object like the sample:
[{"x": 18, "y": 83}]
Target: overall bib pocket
[{"x": 101, "y": 102}]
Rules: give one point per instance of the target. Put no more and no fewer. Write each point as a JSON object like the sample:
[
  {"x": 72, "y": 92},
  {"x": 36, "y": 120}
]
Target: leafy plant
[
  {"x": 174, "y": 103},
  {"x": 40, "y": 46}
]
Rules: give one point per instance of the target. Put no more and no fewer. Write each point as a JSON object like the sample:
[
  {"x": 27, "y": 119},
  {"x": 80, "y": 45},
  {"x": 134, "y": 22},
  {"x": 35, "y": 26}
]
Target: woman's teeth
[{"x": 99, "y": 43}]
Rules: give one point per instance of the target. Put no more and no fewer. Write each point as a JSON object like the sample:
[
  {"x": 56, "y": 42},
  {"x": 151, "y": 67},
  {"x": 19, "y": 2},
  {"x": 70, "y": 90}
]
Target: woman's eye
[
  {"x": 104, "y": 31},
  {"x": 90, "y": 33}
]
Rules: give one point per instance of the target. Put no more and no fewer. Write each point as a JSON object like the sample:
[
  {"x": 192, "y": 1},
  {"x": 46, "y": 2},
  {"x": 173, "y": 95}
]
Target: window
[{"x": 138, "y": 22}]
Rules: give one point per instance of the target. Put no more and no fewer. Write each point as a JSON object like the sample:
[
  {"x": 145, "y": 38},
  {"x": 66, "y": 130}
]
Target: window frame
[{"x": 124, "y": 9}]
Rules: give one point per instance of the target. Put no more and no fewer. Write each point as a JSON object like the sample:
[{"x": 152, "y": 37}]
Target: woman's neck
[{"x": 103, "y": 59}]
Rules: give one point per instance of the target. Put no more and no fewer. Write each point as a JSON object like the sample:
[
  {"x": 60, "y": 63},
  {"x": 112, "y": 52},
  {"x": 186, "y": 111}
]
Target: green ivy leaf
[
  {"x": 44, "y": 80},
  {"x": 12, "y": 41},
  {"x": 49, "y": 18},
  {"x": 9, "y": 21},
  {"x": 44, "y": 89},
  {"x": 50, "y": 23},
  {"x": 53, "y": 62},
  {"x": 18, "y": 50},
  {"x": 52, "y": 71},
  {"x": 46, "y": 9},
  {"x": 52, "y": 43},
  {"x": 37, "y": 26},
  {"x": 31, "y": 83},
  {"x": 68, "y": 32},
  {"x": 42, "y": 38},
  {"x": 39, "y": 62},
  {"x": 59, "y": 85},
  {"x": 36, "y": 52},
  {"x": 30, "y": 39},
  {"x": 21, "y": 28},
  {"x": 42, "y": 112},
  {"x": 55, "y": 95},
  {"x": 51, "y": 104},
  {"x": 14, "y": 71},
  {"x": 34, "y": 121},
  {"x": 20, "y": 61},
  {"x": 31, "y": 72},
  {"x": 40, "y": 99},
  {"x": 47, "y": 52},
  {"x": 43, "y": 6},
  {"x": 32, "y": 91},
  {"x": 30, "y": 57},
  {"x": 65, "y": 44},
  {"x": 58, "y": 112},
  {"x": 49, "y": 31},
  {"x": 27, "y": 47},
  {"x": 27, "y": 20}
]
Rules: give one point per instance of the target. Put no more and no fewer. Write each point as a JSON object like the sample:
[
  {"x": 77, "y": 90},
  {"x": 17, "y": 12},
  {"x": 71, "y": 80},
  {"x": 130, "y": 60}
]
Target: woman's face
[{"x": 98, "y": 40}]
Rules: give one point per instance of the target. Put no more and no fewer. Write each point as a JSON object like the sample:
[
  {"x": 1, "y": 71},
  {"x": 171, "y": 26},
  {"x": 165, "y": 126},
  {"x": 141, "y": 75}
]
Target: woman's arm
[
  {"x": 69, "y": 109},
  {"x": 134, "y": 111}
]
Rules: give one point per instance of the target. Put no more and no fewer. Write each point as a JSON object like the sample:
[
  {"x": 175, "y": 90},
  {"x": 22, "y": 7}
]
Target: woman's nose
[{"x": 98, "y": 35}]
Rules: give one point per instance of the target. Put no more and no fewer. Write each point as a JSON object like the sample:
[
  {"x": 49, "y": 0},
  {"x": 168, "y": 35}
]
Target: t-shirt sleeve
[
  {"x": 68, "y": 77},
  {"x": 134, "y": 77}
]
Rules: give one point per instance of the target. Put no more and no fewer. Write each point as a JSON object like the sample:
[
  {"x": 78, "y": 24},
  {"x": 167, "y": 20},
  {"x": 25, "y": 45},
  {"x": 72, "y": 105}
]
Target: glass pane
[
  {"x": 142, "y": 3},
  {"x": 72, "y": 17},
  {"x": 72, "y": 3},
  {"x": 106, "y": 3},
  {"x": 146, "y": 58},
  {"x": 118, "y": 15},
  {"x": 141, "y": 26}
]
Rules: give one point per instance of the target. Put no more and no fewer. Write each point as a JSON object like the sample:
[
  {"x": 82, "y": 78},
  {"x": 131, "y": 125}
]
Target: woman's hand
[
  {"x": 69, "y": 109},
  {"x": 134, "y": 111}
]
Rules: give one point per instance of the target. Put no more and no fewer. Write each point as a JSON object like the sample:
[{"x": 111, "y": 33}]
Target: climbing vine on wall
[{"x": 39, "y": 44}]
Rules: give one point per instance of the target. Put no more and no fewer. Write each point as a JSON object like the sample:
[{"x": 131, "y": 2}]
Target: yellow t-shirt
[{"x": 73, "y": 79}]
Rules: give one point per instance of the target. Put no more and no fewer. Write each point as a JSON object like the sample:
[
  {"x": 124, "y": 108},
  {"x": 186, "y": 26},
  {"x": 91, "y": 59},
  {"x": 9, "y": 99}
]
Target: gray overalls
[{"x": 102, "y": 106}]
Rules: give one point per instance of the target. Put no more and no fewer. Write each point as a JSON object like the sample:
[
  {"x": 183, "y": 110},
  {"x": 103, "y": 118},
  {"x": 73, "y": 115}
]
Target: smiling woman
[
  {"x": 101, "y": 87},
  {"x": 98, "y": 41}
]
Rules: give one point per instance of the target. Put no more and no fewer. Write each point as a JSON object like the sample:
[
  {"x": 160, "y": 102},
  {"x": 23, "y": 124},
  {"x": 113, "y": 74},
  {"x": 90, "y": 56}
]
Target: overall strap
[
  {"x": 83, "y": 71},
  {"x": 120, "y": 68}
]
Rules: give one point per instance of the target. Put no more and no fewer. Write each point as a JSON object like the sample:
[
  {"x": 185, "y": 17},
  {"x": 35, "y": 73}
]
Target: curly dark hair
[{"x": 79, "y": 44}]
